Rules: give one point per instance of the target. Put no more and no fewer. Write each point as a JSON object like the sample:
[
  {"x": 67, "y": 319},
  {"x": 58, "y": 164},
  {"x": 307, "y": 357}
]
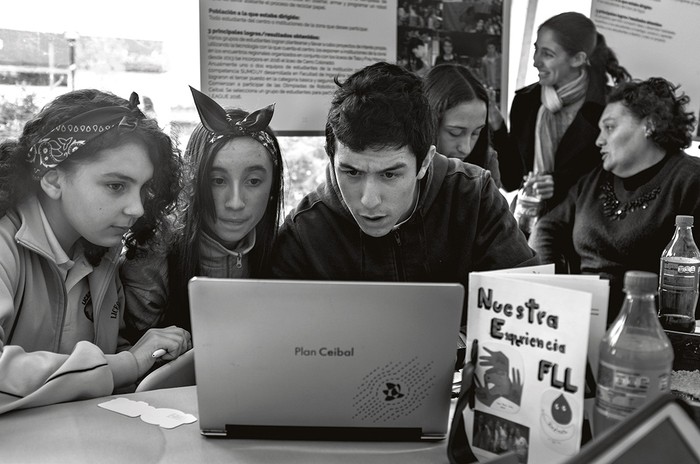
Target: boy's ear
[
  {"x": 51, "y": 184},
  {"x": 426, "y": 162}
]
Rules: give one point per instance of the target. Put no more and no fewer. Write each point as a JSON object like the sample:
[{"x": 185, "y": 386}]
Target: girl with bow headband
[
  {"x": 87, "y": 172},
  {"x": 231, "y": 206}
]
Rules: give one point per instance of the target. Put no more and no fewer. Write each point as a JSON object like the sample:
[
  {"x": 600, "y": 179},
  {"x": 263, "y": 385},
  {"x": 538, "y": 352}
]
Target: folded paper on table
[{"x": 530, "y": 375}]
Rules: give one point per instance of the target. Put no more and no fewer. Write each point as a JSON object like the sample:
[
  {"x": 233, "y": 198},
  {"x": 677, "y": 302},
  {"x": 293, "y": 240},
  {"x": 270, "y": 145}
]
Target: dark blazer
[{"x": 576, "y": 154}]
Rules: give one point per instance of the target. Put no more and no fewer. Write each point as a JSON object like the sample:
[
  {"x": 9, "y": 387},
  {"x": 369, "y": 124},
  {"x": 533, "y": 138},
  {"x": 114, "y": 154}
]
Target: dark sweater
[{"x": 611, "y": 244}]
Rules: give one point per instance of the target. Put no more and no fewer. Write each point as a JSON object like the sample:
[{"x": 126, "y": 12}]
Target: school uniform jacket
[
  {"x": 32, "y": 311},
  {"x": 576, "y": 155},
  {"x": 461, "y": 224}
]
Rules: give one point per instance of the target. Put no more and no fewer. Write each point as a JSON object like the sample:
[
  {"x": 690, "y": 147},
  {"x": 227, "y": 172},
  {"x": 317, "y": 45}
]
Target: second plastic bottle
[
  {"x": 678, "y": 279},
  {"x": 636, "y": 356}
]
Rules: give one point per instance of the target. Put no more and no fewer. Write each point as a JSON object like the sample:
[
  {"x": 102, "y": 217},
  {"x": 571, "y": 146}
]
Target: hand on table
[{"x": 173, "y": 340}]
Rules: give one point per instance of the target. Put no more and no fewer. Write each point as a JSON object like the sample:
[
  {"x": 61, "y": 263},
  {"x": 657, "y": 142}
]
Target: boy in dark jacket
[{"x": 391, "y": 208}]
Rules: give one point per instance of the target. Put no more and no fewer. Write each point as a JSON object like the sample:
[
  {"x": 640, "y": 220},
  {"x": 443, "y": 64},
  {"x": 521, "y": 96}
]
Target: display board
[
  {"x": 469, "y": 33},
  {"x": 654, "y": 38},
  {"x": 257, "y": 52}
]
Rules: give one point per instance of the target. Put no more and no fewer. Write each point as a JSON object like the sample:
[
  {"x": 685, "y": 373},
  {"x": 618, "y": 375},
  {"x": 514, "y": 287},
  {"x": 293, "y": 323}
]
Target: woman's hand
[
  {"x": 543, "y": 185},
  {"x": 173, "y": 340},
  {"x": 495, "y": 117}
]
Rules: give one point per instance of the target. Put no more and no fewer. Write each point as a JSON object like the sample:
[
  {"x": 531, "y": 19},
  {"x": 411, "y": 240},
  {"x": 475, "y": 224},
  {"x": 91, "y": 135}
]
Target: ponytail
[{"x": 604, "y": 61}]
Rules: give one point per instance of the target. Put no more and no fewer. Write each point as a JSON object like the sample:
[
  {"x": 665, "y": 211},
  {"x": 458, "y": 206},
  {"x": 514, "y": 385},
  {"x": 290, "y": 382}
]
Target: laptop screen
[{"x": 309, "y": 354}]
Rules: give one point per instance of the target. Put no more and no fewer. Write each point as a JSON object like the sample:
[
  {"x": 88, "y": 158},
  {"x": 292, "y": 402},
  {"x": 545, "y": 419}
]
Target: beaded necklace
[{"x": 617, "y": 211}]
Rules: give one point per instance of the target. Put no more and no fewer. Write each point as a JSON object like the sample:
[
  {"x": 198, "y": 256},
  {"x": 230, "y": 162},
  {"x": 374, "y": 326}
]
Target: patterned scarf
[
  {"x": 559, "y": 107},
  {"x": 69, "y": 137}
]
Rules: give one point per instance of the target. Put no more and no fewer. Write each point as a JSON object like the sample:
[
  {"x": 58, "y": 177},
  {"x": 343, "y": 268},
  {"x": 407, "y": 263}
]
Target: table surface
[{"x": 81, "y": 431}]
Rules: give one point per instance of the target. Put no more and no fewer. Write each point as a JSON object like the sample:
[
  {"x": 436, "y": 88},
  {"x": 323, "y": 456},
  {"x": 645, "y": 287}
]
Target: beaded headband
[
  {"x": 69, "y": 137},
  {"x": 216, "y": 120}
]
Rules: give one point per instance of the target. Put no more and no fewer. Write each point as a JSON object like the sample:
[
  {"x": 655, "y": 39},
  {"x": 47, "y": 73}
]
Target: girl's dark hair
[
  {"x": 446, "y": 40},
  {"x": 197, "y": 204},
  {"x": 16, "y": 182},
  {"x": 656, "y": 99},
  {"x": 575, "y": 32},
  {"x": 448, "y": 85},
  {"x": 414, "y": 63}
]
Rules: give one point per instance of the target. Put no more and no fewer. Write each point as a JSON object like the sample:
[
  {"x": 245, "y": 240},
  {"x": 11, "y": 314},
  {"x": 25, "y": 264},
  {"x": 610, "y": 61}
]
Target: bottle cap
[
  {"x": 684, "y": 221},
  {"x": 640, "y": 281}
]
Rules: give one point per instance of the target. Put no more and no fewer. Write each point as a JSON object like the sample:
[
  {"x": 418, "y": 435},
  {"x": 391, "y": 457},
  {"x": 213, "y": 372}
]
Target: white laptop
[{"x": 324, "y": 360}]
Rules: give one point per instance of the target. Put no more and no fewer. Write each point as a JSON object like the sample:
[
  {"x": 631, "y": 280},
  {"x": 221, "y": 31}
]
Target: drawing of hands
[
  {"x": 496, "y": 381},
  {"x": 516, "y": 388},
  {"x": 482, "y": 392},
  {"x": 495, "y": 359}
]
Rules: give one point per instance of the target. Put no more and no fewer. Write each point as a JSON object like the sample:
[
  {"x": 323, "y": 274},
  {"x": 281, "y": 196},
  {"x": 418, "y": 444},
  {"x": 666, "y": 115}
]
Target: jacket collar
[
  {"x": 31, "y": 233},
  {"x": 211, "y": 249}
]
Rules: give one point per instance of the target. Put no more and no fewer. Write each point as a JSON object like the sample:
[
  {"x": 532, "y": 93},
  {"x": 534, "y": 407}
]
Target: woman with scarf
[
  {"x": 553, "y": 123},
  {"x": 89, "y": 176},
  {"x": 227, "y": 219}
]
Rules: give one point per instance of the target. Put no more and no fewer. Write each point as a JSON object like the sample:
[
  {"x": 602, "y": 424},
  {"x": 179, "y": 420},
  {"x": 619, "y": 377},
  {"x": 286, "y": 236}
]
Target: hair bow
[
  {"x": 130, "y": 121},
  {"x": 216, "y": 120}
]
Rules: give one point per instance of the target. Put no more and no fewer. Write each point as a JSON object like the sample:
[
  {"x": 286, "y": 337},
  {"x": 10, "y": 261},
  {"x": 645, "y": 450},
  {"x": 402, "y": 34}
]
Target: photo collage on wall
[{"x": 431, "y": 32}]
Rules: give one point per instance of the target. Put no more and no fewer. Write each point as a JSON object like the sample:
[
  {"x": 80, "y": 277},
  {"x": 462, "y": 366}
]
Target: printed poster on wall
[
  {"x": 469, "y": 33},
  {"x": 530, "y": 371},
  {"x": 652, "y": 38},
  {"x": 257, "y": 52}
]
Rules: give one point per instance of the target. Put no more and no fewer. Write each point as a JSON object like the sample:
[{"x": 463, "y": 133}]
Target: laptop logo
[{"x": 393, "y": 391}]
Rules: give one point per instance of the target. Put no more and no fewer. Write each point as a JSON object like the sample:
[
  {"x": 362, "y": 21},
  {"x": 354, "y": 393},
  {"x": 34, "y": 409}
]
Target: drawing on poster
[{"x": 502, "y": 385}]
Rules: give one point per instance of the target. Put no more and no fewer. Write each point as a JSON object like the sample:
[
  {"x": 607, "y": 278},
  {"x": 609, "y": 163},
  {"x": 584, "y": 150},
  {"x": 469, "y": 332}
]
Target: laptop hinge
[{"x": 324, "y": 433}]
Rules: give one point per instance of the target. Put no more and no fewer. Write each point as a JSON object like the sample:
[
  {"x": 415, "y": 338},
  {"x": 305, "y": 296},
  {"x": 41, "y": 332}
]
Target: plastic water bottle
[
  {"x": 527, "y": 206},
  {"x": 678, "y": 279},
  {"x": 636, "y": 356}
]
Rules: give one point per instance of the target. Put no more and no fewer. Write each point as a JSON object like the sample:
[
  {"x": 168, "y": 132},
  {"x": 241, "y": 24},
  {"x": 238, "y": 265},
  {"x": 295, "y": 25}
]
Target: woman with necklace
[{"x": 620, "y": 216}]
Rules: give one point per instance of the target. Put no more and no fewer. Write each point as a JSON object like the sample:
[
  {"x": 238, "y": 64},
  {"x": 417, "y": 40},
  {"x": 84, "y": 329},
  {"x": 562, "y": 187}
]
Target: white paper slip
[
  {"x": 164, "y": 417},
  {"x": 125, "y": 406}
]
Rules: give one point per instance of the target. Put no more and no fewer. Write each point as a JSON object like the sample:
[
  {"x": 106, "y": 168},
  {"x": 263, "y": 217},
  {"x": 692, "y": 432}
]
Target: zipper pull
[
  {"x": 239, "y": 260},
  {"x": 397, "y": 238}
]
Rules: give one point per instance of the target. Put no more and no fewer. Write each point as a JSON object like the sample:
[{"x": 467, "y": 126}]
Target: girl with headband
[
  {"x": 231, "y": 206},
  {"x": 78, "y": 187}
]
